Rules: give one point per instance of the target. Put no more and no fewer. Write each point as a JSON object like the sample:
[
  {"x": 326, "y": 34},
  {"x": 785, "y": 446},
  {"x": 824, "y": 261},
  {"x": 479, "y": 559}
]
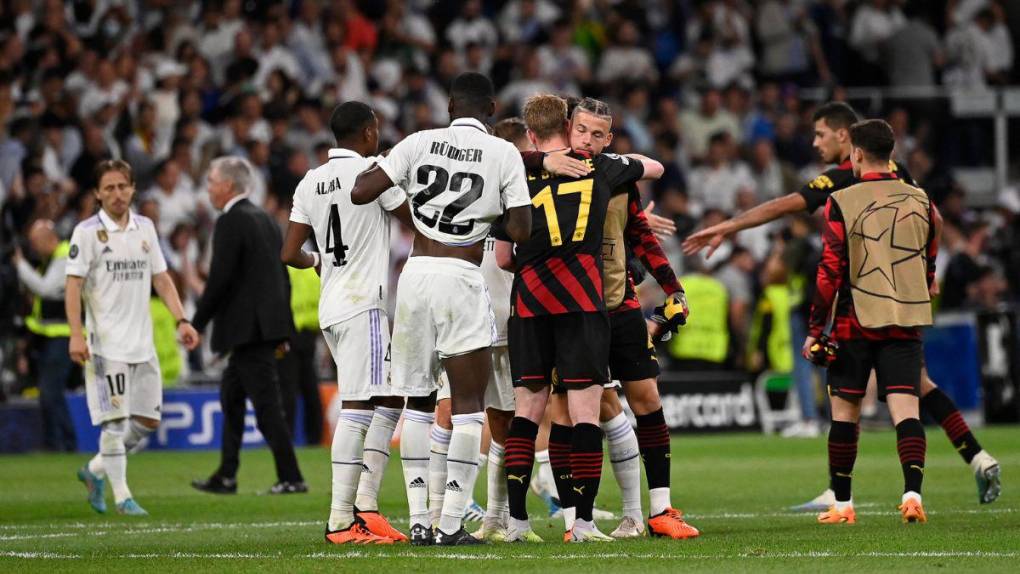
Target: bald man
[{"x": 48, "y": 324}]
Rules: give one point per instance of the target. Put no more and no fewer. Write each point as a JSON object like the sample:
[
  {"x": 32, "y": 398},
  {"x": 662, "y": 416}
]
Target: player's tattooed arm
[
  {"x": 712, "y": 237},
  {"x": 291, "y": 252},
  {"x": 370, "y": 184}
]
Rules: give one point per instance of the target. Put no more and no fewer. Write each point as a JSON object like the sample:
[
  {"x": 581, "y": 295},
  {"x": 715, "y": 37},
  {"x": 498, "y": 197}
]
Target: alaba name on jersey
[
  {"x": 353, "y": 240},
  {"x": 117, "y": 266},
  {"x": 458, "y": 180}
]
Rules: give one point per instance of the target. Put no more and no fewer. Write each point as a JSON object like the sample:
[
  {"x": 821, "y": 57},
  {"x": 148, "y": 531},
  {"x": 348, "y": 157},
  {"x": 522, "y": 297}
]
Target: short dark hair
[
  {"x": 875, "y": 137},
  {"x": 837, "y": 115},
  {"x": 349, "y": 118},
  {"x": 510, "y": 129},
  {"x": 472, "y": 91}
]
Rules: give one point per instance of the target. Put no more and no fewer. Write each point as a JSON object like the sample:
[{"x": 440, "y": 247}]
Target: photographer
[{"x": 48, "y": 324}]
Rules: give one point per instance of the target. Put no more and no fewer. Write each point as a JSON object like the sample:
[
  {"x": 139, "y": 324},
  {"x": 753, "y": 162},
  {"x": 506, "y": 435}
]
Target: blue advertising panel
[{"x": 192, "y": 420}]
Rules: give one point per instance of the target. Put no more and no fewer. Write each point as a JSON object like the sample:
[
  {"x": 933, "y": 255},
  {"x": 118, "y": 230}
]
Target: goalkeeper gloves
[{"x": 671, "y": 314}]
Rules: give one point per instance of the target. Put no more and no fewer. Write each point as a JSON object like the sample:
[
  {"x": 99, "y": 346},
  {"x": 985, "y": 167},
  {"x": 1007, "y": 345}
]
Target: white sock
[
  {"x": 439, "y": 445},
  {"x": 658, "y": 500},
  {"x": 348, "y": 444},
  {"x": 544, "y": 472},
  {"x": 497, "y": 504},
  {"x": 520, "y": 525},
  {"x": 136, "y": 438},
  {"x": 96, "y": 466},
  {"x": 462, "y": 469},
  {"x": 842, "y": 505},
  {"x": 414, "y": 459},
  {"x": 111, "y": 447},
  {"x": 376, "y": 456},
  {"x": 626, "y": 460},
  {"x": 569, "y": 515},
  {"x": 910, "y": 494}
]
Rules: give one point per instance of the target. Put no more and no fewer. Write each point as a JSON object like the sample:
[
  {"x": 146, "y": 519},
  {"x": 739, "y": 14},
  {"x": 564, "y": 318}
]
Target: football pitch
[{"x": 735, "y": 488}]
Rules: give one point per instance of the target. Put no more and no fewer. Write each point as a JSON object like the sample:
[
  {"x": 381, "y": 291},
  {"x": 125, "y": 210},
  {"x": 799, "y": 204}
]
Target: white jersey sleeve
[
  {"x": 79, "y": 258},
  {"x": 514, "y": 187},
  {"x": 156, "y": 260},
  {"x": 299, "y": 209},
  {"x": 399, "y": 162}
]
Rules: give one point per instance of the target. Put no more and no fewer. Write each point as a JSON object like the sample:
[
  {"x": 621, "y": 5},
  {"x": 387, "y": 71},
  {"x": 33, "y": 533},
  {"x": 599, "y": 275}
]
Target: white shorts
[
  {"x": 443, "y": 310},
  {"x": 360, "y": 347},
  {"x": 116, "y": 390},
  {"x": 499, "y": 394}
]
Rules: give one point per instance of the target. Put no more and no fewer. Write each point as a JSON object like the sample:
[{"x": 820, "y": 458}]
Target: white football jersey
[
  {"x": 117, "y": 265},
  {"x": 458, "y": 180},
  {"x": 353, "y": 240},
  {"x": 499, "y": 283}
]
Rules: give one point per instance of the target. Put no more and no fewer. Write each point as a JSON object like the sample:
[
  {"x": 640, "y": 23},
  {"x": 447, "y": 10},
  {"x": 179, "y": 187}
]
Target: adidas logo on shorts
[
  {"x": 417, "y": 483},
  {"x": 452, "y": 485}
]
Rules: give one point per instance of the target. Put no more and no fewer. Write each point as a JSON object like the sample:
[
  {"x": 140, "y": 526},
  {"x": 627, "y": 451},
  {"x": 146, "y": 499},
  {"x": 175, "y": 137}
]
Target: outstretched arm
[
  {"x": 370, "y": 184},
  {"x": 712, "y": 237}
]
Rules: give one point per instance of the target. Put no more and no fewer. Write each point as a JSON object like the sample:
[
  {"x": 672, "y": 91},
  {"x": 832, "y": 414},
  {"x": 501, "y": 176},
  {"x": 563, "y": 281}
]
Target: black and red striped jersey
[
  {"x": 816, "y": 192},
  {"x": 559, "y": 269}
]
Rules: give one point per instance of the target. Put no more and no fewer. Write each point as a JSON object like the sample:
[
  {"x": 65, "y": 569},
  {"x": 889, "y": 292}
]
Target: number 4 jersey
[
  {"x": 353, "y": 240},
  {"x": 458, "y": 180},
  {"x": 559, "y": 270}
]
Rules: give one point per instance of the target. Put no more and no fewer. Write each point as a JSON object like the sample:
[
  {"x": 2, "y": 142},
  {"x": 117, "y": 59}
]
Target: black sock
[
  {"x": 842, "y": 456},
  {"x": 653, "y": 442},
  {"x": 560, "y": 443},
  {"x": 911, "y": 445},
  {"x": 586, "y": 467},
  {"x": 942, "y": 408},
  {"x": 519, "y": 457}
]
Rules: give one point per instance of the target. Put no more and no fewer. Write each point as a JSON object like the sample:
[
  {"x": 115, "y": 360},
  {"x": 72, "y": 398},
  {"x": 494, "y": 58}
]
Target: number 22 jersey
[
  {"x": 458, "y": 180},
  {"x": 559, "y": 269},
  {"x": 353, "y": 240}
]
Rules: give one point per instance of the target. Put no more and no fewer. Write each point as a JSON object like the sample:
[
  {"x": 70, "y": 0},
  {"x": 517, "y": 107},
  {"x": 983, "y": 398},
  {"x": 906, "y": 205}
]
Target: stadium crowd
[{"x": 712, "y": 88}]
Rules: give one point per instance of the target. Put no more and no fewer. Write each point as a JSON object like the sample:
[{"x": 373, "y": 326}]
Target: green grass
[{"x": 735, "y": 488}]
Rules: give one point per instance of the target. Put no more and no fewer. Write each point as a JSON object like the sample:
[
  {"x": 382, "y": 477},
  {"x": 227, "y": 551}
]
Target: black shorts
[
  {"x": 631, "y": 352},
  {"x": 575, "y": 344},
  {"x": 897, "y": 364}
]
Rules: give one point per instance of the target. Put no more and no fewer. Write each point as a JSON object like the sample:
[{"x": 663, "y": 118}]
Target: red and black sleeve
[
  {"x": 645, "y": 246},
  {"x": 830, "y": 268},
  {"x": 532, "y": 160}
]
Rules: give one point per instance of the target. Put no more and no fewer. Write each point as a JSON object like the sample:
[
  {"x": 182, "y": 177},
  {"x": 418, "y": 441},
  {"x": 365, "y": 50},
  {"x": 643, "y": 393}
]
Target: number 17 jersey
[
  {"x": 559, "y": 269},
  {"x": 353, "y": 240}
]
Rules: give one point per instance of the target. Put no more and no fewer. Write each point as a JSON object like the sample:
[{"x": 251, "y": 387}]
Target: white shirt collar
[
  {"x": 233, "y": 201},
  {"x": 340, "y": 152},
  {"x": 111, "y": 225},
  {"x": 470, "y": 122}
]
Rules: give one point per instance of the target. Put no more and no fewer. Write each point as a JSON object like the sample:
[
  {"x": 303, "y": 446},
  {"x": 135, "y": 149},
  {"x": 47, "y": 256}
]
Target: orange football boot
[
  {"x": 377, "y": 524},
  {"x": 912, "y": 511},
  {"x": 567, "y": 537},
  {"x": 833, "y": 516},
  {"x": 355, "y": 534},
  {"x": 670, "y": 524}
]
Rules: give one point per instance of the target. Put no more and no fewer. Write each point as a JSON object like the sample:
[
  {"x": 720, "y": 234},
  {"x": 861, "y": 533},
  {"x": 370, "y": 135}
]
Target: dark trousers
[
  {"x": 54, "y": 370},
  {"x": 251, "y": 374},
  {"x": 298, "y": 377}
]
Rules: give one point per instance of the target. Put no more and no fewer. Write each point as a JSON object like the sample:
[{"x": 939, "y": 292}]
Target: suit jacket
[{"x": 248, "y": 292}]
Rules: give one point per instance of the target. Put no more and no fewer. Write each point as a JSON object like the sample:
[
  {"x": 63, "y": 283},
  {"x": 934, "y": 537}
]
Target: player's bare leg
[
  {"x": 653, "y": 442},
  {"x": 986, "y": 469},
  {"x": 530, "y": 401},
  {"x": 347, "y": 462},
  {"x": 469, "y": 375},
  {"x": 843, "y": 436},
  {"x": 419, "y": 414},
  {"x": 439, "y": 446},
  {"x": 911, "y": 446},
  {"x": 386, "y": 415},
  {"x": 625, "y": 462}
]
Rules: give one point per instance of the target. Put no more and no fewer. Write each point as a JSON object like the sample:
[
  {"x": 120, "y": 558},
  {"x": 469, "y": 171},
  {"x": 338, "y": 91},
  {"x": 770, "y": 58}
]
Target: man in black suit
[{"x": 248, "y": 295}]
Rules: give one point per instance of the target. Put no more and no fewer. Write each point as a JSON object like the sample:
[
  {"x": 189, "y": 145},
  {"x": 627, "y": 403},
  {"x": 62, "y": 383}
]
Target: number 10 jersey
[
  {"x": 353, "y": 240},
  {"x": 458, "y": 180}
]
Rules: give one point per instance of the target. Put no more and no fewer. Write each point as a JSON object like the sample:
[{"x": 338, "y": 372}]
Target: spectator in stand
[
  {"x": 772, "y": 177},
  {"x": 874, "y": 23},
  {"x": 716, "y": 184},
  {"x": 564, "y": 63},
  {"x": 912, "y": 55},
  {"x": 737, "y": 276},
  {"x": 176, "y": 201},
  {"x": 789, "y": 39},
  {"x": 472, "y": 28},
  {"x": 529, "y": 83},
  {"x": 625, "y": 60},
  {"x": 708, "y": 119},
  {"x": 526, "y": 21}
]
